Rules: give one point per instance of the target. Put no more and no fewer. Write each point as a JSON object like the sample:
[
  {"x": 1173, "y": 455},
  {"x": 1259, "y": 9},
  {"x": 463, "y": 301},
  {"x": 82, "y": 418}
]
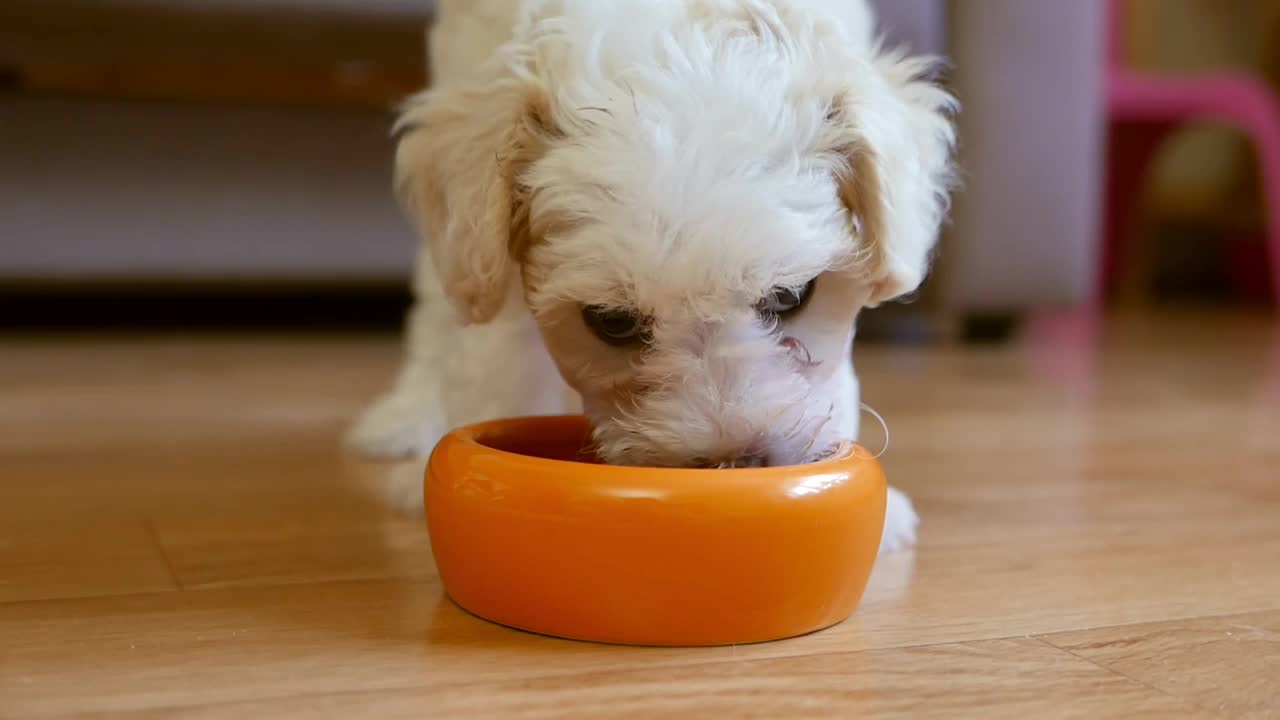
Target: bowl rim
[{"x": 847, "y": 454}]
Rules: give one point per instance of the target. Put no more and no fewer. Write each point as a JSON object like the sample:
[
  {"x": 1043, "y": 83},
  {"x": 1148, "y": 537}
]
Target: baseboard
[
  {"x": 286, "y": 306},
  {"x": 212, "y": 306}
]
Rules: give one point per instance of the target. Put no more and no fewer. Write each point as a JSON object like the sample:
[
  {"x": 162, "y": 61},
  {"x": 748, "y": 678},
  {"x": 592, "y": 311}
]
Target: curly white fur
[{"x": 679, "y": 160}]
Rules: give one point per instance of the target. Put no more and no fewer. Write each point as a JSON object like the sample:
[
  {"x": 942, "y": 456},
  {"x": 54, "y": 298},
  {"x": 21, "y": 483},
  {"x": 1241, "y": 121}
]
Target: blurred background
[{"x": 225, "y": 163}]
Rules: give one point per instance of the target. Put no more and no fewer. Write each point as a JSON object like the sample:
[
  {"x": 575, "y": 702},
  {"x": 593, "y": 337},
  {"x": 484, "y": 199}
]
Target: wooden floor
[{"x": 180, "y": 538}]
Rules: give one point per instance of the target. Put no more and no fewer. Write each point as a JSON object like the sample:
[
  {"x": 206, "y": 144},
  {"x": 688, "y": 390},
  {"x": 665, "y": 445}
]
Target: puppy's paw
[
  {"x": 405, "y": 487},
  {"x": 900, "y": 521},
  {"x": 396, "y": 427}
]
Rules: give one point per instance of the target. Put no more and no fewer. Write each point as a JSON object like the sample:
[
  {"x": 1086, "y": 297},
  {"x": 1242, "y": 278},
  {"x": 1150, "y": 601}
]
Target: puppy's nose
[{"x": 798, "y": 352}]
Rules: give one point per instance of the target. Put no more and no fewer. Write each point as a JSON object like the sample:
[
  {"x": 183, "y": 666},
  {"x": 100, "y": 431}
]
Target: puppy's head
[{"x": 698, "y": 199}]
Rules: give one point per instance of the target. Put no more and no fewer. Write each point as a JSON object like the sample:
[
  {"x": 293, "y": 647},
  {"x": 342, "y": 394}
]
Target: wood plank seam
[
  {"x": 1114, "y": 671},
  {"x": 164, "y": 556}
]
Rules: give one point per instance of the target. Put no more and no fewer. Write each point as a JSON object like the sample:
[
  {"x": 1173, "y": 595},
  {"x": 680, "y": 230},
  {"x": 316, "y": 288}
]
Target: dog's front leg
[
  {"x": 454, "y": 375},
  {"x": 900, "y": 519}
]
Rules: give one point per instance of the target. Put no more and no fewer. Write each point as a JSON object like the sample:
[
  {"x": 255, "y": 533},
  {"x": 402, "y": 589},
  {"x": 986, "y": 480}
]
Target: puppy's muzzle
[{"x": 740, "y": 461}]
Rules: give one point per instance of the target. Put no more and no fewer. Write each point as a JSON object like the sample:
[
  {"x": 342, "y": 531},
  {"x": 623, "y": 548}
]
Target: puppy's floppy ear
[
  {"x": 462, "y": 154},
  {"x": 895, "y": 138}
]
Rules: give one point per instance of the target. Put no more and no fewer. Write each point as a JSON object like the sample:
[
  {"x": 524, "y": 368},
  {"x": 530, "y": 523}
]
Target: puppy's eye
[
  {"x": 782, "y": 301},
  {"x": 614, "y": 326}
]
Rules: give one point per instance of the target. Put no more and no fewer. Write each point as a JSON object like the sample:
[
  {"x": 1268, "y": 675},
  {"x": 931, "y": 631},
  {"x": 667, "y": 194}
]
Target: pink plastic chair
[{"x": 1142, "y": 110}]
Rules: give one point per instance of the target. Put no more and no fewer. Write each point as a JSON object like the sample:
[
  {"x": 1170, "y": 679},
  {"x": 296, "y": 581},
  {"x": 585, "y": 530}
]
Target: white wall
[{"x": 144, "y": 189}]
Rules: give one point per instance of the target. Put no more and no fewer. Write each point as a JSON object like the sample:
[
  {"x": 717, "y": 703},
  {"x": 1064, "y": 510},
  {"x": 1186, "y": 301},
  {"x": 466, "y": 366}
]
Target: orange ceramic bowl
[{"x": 529, "y": 533}]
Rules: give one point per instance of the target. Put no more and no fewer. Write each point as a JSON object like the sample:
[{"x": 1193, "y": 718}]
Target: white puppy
[{"x": 678, "y": 207}]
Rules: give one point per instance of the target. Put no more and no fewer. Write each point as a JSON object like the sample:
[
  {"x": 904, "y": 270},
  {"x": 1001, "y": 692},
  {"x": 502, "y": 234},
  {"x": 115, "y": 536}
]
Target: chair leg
[
  {"x": 1130, "y": 149},
  {"x": 1268, "y": 146}
]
